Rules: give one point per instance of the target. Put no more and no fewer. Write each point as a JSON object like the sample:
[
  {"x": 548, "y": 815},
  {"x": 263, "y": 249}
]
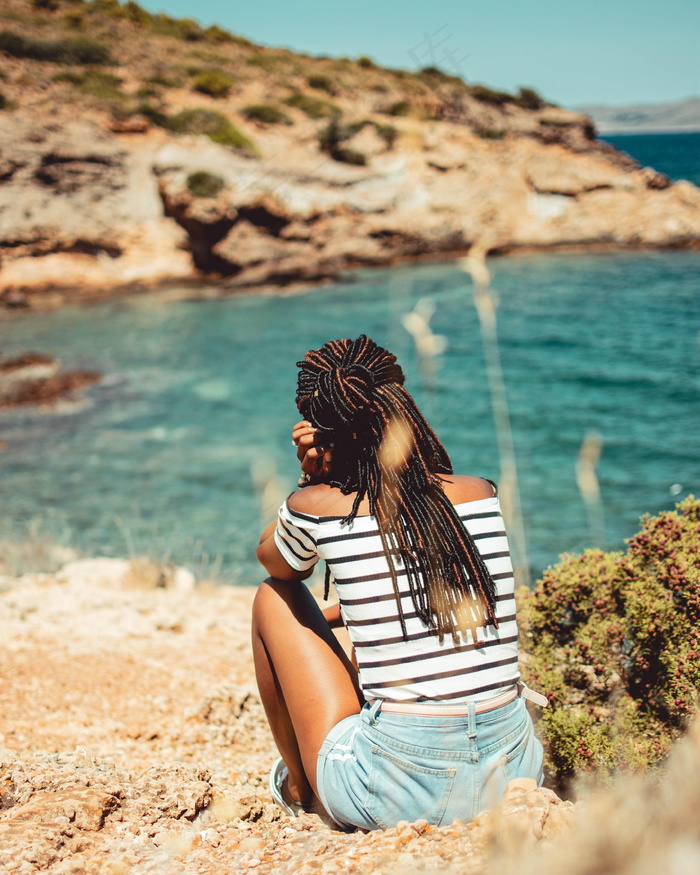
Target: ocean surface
[
  {"x": 677, "y": 155},
  {"x": 183, "y": 448}
]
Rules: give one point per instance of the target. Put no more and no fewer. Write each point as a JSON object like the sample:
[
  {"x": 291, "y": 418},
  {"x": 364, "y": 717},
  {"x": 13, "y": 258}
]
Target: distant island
[{"x": 684, "y": 115}]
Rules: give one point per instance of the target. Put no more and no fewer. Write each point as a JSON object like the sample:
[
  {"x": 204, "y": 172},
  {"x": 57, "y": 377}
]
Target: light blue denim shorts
[{"x": 375, "y": 769}]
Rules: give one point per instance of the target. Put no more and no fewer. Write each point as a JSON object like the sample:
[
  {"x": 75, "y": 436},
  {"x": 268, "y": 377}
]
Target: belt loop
[
  {"x": 471, "y": 720},
  {"x": 374, "y": 710}
]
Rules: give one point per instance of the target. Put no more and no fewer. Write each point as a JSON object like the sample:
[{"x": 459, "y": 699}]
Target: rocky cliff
[{"x": 136, "y": 150}]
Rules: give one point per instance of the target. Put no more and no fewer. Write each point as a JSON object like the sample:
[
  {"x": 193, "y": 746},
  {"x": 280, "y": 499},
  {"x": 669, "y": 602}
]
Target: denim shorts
[{"x": 375, "y": 769}]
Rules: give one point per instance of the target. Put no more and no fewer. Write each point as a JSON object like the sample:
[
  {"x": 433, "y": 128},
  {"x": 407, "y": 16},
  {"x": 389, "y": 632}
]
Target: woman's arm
[
  {"x": 271, "y": 559},
  {"x": 332, "y": 616}
]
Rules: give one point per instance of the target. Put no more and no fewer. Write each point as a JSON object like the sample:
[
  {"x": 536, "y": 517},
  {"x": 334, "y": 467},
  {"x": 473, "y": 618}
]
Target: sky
[{"x": 614, "y": 52}]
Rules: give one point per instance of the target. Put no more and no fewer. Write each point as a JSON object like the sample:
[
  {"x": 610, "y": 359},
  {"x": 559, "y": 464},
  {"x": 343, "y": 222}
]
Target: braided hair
[{"x": 354, "y": 389}]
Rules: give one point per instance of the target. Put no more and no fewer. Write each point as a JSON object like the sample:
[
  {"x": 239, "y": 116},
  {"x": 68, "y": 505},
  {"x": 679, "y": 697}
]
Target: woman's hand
[{"x": 314, "y": 450}]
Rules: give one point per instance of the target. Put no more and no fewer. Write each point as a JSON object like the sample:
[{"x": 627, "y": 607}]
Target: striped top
[{"x": 422, "y": 667}]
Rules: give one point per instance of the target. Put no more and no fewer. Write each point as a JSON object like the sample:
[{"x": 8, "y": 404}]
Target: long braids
[{"x": 354, "y": 389}]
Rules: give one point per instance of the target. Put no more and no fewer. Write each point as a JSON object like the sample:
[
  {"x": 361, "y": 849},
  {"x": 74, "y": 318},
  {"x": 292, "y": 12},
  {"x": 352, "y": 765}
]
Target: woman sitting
[{"x": 427, "y": 721}]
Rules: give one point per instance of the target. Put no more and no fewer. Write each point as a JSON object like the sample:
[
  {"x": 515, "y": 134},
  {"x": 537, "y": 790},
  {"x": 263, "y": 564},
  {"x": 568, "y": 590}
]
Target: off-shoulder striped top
[{"x": 422, "y": 667}]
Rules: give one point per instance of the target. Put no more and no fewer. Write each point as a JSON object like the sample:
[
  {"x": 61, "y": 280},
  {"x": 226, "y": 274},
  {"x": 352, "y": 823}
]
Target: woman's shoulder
[
  {"x": 461, "y": 488},
  {"x": 323, "y": 500},
  {"x": 320, "y": 500}
]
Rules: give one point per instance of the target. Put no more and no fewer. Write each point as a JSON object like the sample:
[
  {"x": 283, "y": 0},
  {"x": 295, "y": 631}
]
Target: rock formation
[
  {"x": 361, "y": 166},
  {"x": 36, "y": 379}
]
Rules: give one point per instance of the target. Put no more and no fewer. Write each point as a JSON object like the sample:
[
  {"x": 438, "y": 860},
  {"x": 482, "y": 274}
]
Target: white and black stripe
[{"x": 420, "y": 666}]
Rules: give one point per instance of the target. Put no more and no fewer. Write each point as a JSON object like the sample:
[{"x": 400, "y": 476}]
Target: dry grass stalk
[{"x": 486, "y": 304}]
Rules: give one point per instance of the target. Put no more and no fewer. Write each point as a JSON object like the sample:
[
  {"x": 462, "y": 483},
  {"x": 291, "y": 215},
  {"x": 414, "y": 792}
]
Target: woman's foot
[{"x": 279, "y": 789}]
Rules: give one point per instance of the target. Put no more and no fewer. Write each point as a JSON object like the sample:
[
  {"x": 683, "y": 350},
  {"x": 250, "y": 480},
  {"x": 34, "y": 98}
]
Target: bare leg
[{"x": 306, "y": 682}]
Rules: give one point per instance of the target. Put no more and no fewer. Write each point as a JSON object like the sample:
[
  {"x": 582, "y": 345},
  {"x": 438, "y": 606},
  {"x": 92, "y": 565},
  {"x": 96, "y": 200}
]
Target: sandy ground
[{"x": 132, "y": 740}]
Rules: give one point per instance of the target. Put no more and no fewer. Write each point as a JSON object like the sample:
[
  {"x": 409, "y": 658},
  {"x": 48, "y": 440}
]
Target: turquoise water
[
  {"x": 677, "y": 155},
  {"x": 197, "y": 401}
]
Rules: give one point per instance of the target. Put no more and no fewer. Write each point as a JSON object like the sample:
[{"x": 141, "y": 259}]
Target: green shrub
[
  {"x": 321, "y": 83},
  {"x": 266, "y": 62},
  {"x": 331, "y": 140},
  {"x": 50, "y": 5},
  {"x": 112, "y": 8},
  {"x": 400, "y": 108},
  {"x": 350, "y": 156},
  {"x": 136, "y": 13},
  {"x": 203, "y": 184},
  {"x": 490, "y": 133},
  {"x": 75, "y": 19},
  {"x": 180, "y": 28},
  {"x": 388, "y": 133},
  {"x": 66, "y": 51},
  {"x": 613, "y": 640},
  {"x": 201, "y": 121},
  {"x": 145, "y": 92},
  {"x": 215, "y": 83},
  {"x": 366, "y": 63},
  {"x": 314, "y": 107},
  {"x": 435, "y": 76},
  {"x": 490, "y": 95},
  {"x": 266, "y": 113},
  {"x": 165, "y": 81},
  {"x": 4, "y": 102},
  {"x": 528, "y": 98},
  {"x": 95, "y": 83},
  {"x": 216, "y": 34}
]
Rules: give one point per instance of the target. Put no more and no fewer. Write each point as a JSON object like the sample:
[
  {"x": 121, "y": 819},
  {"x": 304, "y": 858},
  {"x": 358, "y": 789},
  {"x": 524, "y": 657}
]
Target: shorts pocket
[
  {"x": 521, "y": 757},
  {"x": 400, "y": 789}
]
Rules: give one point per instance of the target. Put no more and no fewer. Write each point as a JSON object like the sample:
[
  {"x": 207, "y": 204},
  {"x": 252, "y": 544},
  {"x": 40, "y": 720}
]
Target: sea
[{"x": 182, "y": 451}]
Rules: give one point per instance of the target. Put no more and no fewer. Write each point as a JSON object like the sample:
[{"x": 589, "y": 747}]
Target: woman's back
[{"x": 477, "y": 665}]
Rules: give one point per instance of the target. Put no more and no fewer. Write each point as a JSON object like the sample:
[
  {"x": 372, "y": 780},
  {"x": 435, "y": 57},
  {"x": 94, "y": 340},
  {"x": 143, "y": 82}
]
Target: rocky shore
[
  {"x": 243, "y": 166},
  {"x": 34, "y": 378},
  {"x": 132, "y": 740}
]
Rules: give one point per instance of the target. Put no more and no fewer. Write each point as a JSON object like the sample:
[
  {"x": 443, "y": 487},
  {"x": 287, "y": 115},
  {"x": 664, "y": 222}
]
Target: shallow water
[{"x": 198, "y": 399}]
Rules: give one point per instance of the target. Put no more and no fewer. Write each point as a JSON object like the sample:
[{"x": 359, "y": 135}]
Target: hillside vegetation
[
  {"x": 127, "y": 60},
  {"x": 110, "y": 116}
]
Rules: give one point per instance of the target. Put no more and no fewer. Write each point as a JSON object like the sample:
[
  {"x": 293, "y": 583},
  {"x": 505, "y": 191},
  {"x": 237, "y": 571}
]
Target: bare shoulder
[
  {"x": 462, "y": 487},
  {"x": 320, "y": 500}
]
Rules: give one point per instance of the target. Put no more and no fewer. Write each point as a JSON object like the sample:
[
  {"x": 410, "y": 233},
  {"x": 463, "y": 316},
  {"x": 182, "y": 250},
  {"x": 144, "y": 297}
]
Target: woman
[{"x": 431, "y": 723}]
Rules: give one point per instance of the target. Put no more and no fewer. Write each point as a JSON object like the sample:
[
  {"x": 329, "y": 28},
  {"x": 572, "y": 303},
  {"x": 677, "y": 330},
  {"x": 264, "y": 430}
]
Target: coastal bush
[
  {"x": 399, "y": 108},
  {"x": 215, "y": 83},
  {"x": 134, "y": 12},
  {"x": 165, "y": 81},
  {"x": 435, "y": 76},
  {"x": 332, "y": 139},
  {"x": 490, "y": 133},
  {"x": 204, "y": 184},
  {"x": 321, "y": 83},
  {"x": 95, "y": 83},
  {"x": 490, "y": 95},
  {"x": 311, "y": 106},
  {"x": 111, "y": 8},
  {"x": 201, "y": 121},
  {"x": 74, "y": 19},
  {"x": 613, "y": 640},
  {"x": 528, "y": 98},
  {"x": 267, "y": 62},
  {"x": 4, "y": 102},
  {"x": 78, "y": 50},
  {"x": 180, "y": 28},
  {"x": 366, "y": 63},
  {"x": 266, "y": 113},
  {"x": 49, "y": 5}
]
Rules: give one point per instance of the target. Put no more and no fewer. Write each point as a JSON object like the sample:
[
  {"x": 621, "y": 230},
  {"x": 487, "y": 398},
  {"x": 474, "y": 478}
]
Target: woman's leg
[{"x": 306, "y": 682}]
